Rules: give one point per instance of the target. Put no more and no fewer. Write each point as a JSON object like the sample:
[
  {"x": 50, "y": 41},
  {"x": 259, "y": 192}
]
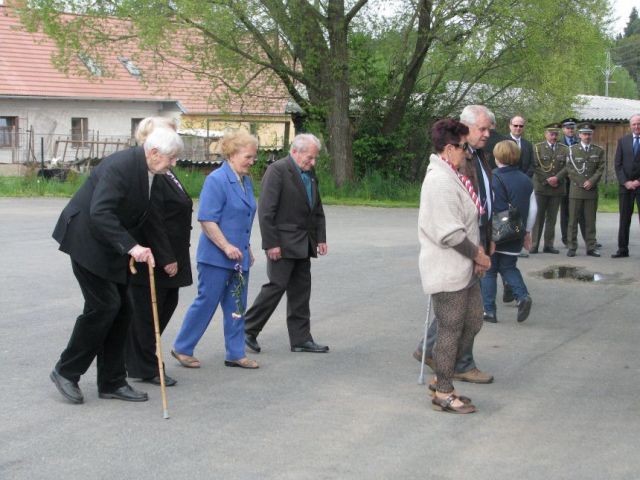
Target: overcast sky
[{"x": 621, "y": 10}]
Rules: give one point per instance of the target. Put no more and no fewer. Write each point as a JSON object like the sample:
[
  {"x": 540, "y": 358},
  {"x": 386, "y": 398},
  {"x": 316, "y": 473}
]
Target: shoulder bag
[{"x": 507, "y": 225}]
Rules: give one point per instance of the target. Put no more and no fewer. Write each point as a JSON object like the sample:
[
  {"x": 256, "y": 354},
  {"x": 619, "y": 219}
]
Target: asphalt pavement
[{"x": 564, "y": 404}]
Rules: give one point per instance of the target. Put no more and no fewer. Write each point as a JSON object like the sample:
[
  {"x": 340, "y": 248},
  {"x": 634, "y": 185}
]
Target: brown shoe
[
  {"x": 473, "y": 376},
  {"x": 427, "y": 361}
]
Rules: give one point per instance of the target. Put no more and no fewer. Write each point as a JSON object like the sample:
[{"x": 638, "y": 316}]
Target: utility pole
[{"x": 607, "y": 71}]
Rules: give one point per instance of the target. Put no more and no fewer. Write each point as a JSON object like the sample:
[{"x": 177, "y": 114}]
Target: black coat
[
  {"x": 627, "y": 167},
  {"x": 168, "y": 234},
  {"x": 102, "y": 220}
]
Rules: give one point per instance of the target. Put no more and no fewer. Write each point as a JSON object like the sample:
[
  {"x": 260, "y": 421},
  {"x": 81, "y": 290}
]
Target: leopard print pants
[{"x": 459, "y": 317}]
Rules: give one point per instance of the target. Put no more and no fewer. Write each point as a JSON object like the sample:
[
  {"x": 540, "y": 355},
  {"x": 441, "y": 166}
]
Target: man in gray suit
[{"x": 292, "y": 225}]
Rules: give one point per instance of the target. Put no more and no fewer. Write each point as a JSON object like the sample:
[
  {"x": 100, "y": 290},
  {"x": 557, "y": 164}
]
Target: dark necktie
[
  {"x": 636, "y": 146},
  {"x": 306, "y": 179}
]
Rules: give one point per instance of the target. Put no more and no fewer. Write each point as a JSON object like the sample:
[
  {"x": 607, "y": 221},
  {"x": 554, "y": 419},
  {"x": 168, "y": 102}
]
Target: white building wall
[{"x": 51, "y": 120}]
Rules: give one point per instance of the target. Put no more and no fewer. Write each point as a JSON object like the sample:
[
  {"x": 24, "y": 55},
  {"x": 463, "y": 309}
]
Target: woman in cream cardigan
[{"x": 451, "y": 258}]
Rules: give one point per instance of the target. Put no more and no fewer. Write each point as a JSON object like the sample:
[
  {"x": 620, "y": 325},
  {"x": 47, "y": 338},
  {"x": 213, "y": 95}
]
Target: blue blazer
[{"x": 224, "y": 202}]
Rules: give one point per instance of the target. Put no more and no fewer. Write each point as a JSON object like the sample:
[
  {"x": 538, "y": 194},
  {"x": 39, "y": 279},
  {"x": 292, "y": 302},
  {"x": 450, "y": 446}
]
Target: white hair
[
  {"x": 146, "y": 126},
  {"x": 165, "y": 140},
  {"x": 302, "y": 141},
  {"x": 470, "y": 114}
]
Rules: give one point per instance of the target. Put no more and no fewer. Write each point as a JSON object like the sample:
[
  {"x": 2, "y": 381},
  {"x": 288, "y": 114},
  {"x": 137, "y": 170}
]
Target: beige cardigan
[{"x": 447, "y": 215}]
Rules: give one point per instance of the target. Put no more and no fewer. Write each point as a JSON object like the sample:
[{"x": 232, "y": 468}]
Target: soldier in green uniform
[
  {"x": 549, "y": 160},
  {"x": 584, "y": 167}
]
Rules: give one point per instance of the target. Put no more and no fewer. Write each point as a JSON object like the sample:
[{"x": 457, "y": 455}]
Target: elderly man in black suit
[
  {"x": 627, "y": 165},
  {"x": 292, "y": 225},
  {"x": 98, "y": 230}
]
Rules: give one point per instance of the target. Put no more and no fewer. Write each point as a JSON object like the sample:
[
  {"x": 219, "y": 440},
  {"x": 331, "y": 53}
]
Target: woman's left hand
[{"x": 171, "y": 269}]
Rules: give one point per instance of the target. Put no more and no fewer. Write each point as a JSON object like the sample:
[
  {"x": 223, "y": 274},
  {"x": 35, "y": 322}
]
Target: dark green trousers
[{"x": 588, "y": 208}]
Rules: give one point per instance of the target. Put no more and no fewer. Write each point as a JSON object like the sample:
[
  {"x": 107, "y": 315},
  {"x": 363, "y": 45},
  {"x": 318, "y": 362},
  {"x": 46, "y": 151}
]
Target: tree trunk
[{"x": 340, "y": 141}]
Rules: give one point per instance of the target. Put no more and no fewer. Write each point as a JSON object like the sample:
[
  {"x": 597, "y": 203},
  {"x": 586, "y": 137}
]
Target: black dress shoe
[
  {"x": 490, "y": 317},
  {"x": 69, "y": 390},
  {"x": 571, "y": 253},
  {"x": 620, "y": 254},
  {"x": 593, "y": 253},
  {"x": 168, "y": 381},
  {"x": 310, "y": 346},
  {"x": 252, "y": 342},
  {"x": 550, "y": 250},
  {"x": 126, "y": 393},
  {"x": 524, "y": 308}
]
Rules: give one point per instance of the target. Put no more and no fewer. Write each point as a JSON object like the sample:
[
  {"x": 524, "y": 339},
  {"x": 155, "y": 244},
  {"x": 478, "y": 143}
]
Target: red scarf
[{"x": 468, "y": 184}]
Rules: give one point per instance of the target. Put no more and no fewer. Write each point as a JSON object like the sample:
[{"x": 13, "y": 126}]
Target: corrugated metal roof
[
  {"x": 26, "y": 70},
  {"x": 606, "y": 109}
]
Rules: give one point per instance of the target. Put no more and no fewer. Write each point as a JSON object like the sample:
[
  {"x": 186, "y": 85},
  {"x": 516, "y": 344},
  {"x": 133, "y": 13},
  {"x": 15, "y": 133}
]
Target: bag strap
[{"x": 495, "y": 175}]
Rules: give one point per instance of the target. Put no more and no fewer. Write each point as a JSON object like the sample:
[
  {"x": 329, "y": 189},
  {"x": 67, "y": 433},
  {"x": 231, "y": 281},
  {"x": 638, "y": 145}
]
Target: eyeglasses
[
  {"x": 462, "y": 146},
  {"x": 517, "y": 126}
]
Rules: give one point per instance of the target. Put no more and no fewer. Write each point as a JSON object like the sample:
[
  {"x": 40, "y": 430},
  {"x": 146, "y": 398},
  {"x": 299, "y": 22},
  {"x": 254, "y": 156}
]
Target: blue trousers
[
  {"x": 506, "y": 266},
  {"x": 215, "y": 287}
]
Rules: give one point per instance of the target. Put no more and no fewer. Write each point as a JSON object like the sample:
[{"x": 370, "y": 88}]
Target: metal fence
[
  {"x": 27, "y": 146},
  {"x": 80, "y": 151}
]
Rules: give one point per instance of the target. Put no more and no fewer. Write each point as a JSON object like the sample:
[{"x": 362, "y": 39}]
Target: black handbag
[{"x": 507, "y": 225}]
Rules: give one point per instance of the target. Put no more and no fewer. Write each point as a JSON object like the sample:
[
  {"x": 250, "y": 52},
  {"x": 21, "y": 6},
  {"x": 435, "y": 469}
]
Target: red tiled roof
[{"x": 26, "y": 69}]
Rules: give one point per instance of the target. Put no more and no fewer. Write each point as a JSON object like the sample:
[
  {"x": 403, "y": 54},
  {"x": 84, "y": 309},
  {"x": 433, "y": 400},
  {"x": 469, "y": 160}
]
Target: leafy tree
[
  {"x": 359, "y": 76},
  {"x": 633, "y": 25}
]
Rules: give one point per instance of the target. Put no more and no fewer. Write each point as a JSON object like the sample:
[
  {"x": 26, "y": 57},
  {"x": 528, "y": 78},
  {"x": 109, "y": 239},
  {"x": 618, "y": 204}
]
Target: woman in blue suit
[{"x": 227, "y": 208}]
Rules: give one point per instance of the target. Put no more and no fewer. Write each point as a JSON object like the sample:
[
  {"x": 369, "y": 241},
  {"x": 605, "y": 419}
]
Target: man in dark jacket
[
  {"x": 627, "y": 164},
  {"x": 98, "y": 230},
  {"x": 292, "y": 225}
]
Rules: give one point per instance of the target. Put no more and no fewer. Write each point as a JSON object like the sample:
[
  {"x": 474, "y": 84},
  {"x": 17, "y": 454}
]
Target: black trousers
[
  {"x": 141, "y": 357},
  {"x": 626, "y": 200},
  {"x": 292, "y": 276},
  {"x": 100, "y": 332}
]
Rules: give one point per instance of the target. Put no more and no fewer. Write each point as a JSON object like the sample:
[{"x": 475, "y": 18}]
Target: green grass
[{"x": 373, "y": 190}]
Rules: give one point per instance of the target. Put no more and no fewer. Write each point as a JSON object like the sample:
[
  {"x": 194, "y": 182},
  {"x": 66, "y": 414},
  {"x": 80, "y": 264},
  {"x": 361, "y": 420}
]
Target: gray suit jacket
[{"x": 285, "y": 216}]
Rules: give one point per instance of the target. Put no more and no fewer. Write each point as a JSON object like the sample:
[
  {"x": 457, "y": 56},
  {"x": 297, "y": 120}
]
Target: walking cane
[
  {"x": 424, "y": 341},
  {"x": 156, "y": 328}
]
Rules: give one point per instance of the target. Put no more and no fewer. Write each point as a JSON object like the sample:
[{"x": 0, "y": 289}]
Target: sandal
[
  {"x": 242, "y": 363},
  {"x": 432, "y": 392},
  {"x": 446, "y": 405},
  {"x": 186, "y": 360},
  {"x": 462, "y": 398}
]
